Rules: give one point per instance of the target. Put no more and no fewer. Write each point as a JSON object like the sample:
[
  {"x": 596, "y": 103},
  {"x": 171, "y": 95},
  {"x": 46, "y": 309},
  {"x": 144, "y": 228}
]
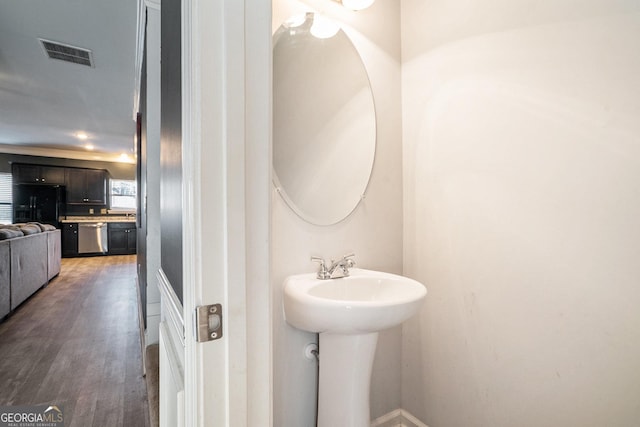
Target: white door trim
[
  {"x": 226, "y": 128},
  {"x": 258, "y": 105}
]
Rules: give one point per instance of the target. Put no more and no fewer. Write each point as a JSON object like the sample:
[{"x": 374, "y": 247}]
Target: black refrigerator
[{"x": 40, "y": 203}]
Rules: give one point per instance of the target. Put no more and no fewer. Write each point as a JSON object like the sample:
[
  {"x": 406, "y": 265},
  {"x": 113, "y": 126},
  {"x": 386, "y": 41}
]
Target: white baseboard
[
  {"x": 397, "y": 418},
  {"x": 141, "y": 326},
  {"x": 152, "y": 334}
]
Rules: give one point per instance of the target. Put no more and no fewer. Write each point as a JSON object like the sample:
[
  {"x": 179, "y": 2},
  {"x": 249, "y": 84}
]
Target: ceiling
[{"x": 45, "y": 103}]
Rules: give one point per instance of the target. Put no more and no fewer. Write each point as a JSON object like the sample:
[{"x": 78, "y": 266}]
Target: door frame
[{"x": 226, "y": 155}]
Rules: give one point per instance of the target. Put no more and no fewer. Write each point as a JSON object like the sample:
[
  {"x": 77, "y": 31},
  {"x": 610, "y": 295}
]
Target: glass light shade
[
  {"x": 357, "y": 4},
  {"x": 323, "y": 28},
  {"x": 295, "y": 21}
]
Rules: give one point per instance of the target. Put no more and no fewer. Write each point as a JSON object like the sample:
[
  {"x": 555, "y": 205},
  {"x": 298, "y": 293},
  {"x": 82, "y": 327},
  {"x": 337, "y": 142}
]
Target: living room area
[{"x": 76, "y": 344}]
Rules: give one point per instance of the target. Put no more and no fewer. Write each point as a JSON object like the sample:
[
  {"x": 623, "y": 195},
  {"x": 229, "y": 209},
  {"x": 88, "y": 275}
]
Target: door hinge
[{"x": 208, "y": 322}]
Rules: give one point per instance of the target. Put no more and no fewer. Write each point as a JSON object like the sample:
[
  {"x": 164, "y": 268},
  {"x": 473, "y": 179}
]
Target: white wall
[
  {"x": 373, "y": 231},
  {"x": 522, "y": 204}
]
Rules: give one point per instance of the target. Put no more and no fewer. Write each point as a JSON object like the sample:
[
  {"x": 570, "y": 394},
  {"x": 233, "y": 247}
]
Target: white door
[{"x": 226, "y": 128}]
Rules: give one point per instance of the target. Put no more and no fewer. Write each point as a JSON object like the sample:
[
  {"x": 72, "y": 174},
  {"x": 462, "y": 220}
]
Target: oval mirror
[{"x": 324, "y": 124}]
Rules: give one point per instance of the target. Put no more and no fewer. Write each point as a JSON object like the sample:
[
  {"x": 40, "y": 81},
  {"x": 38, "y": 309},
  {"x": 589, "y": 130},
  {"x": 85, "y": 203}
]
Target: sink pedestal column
[{"x": 346, "y": 362}]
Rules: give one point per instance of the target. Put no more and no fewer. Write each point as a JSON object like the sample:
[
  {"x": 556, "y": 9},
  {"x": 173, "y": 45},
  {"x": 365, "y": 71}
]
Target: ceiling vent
[{"x": 64, "y": 52}]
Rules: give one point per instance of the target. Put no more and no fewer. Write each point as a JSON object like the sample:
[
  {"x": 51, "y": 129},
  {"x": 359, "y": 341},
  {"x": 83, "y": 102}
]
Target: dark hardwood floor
[{"x": 76, "y": 343}]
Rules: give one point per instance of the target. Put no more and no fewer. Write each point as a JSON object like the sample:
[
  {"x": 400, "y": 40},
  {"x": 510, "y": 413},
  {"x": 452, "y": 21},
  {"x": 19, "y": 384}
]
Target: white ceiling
[{"x": 45, "y": 102}]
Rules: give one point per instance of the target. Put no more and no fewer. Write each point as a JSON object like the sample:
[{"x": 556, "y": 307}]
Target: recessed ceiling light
[
  {"x": 124, "y": 157},
  {"x": 82, "y": 135},
  {"x": 89, "y": 147}
]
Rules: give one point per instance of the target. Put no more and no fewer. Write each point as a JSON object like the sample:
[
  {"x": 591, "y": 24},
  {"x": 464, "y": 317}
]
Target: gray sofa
[{"x": 29, "y": 257}]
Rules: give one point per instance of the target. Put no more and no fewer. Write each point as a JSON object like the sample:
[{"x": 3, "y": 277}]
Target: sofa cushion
[
  {"x": 10, "y": 233},
  {"x": 42, "y": 227},
  {"x": 29, "y": 229},
  {"x": 10, "y": 226}
]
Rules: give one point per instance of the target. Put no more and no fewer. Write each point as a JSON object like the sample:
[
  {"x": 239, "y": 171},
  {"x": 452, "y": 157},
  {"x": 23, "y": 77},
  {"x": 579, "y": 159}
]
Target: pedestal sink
[{"x": 348, "y": 313}]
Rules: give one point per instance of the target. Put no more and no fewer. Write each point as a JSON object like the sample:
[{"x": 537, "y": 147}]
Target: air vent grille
[{"x": 67, "y": 53}]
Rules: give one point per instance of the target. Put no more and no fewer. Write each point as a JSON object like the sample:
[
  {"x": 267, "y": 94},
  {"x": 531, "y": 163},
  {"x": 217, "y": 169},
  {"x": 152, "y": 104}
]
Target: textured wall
[
  {"x": 373, "y": 231},
  {"x": 521, "y": 149}
]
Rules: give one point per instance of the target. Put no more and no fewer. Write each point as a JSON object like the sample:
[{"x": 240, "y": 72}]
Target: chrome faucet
[{"x": 337, "y": 269}]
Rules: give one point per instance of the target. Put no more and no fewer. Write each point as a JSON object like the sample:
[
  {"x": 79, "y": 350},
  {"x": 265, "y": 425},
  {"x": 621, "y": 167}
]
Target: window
[
  {"x": 6, "y": 211},
  {"x": 123, "y": 194}
]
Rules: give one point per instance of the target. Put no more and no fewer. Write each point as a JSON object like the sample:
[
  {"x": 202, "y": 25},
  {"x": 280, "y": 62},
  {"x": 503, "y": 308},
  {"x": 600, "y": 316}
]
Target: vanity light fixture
[
  {"x": 295, "y": 21},
  {"x": 323, "y": 28},
  {"x": 357, "y": 4}
]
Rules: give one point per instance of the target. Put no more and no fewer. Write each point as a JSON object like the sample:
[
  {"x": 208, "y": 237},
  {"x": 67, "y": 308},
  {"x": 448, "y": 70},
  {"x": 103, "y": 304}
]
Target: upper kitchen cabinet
[
  {"x": 36, "y": 174},
  {"x": 86, "y": 186}
]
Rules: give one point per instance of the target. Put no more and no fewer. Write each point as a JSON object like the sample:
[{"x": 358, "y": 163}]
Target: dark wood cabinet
[
  {"x": 69, "y": 239},
  {"x": 86, "y": 186},
  {"x": 97, "y": 181},
  {"x": 122, "y": 238},
  {"x": 83, "y": 186},
  {"x": 36, "y": 174},
  {"x": 76, "y": 185},
  {"x": 52, "y": 175}
]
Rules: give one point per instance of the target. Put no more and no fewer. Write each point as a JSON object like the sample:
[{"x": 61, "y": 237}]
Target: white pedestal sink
[{"x": 348, "y": 313}]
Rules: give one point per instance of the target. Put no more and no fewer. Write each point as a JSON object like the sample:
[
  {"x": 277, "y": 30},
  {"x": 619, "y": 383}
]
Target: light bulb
[
  {"x": 357, "y": 4},
  {"x": 323, "y": 28}
]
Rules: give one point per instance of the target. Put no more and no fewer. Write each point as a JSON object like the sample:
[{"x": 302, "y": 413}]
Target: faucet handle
[
  {"x": 344, "y": 263},
  {"x": 344, "y": 258},
  {"x": 348, "y": 262},
  {"x": 323, "y": 273}
]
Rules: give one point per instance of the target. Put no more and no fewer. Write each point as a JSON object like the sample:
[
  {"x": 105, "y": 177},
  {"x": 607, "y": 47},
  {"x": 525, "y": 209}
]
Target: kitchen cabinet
[
  {"x": 37, "y": 174},
  {"x": 86, "y": 186},
  {"x": 70, "y": 239},
  {"x": 122, "y": 238}
]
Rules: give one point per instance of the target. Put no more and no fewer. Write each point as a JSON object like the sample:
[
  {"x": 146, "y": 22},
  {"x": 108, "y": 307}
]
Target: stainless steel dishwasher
[{"x": 92, "y": 238}]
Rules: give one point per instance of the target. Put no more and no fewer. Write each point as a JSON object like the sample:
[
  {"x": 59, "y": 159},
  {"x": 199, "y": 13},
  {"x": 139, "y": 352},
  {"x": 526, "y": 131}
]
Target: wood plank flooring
[{"x": 76, "y": 343}]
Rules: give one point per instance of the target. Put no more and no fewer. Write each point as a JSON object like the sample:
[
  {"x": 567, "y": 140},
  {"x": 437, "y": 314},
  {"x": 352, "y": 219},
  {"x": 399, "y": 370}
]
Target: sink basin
[
  {"x": 348, "y": 313},
  {"x": 366, "y": 301}
]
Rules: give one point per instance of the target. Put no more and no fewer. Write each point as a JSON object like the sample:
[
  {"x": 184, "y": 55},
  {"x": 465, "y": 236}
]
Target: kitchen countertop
[{"x": 98, "y": 218}]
